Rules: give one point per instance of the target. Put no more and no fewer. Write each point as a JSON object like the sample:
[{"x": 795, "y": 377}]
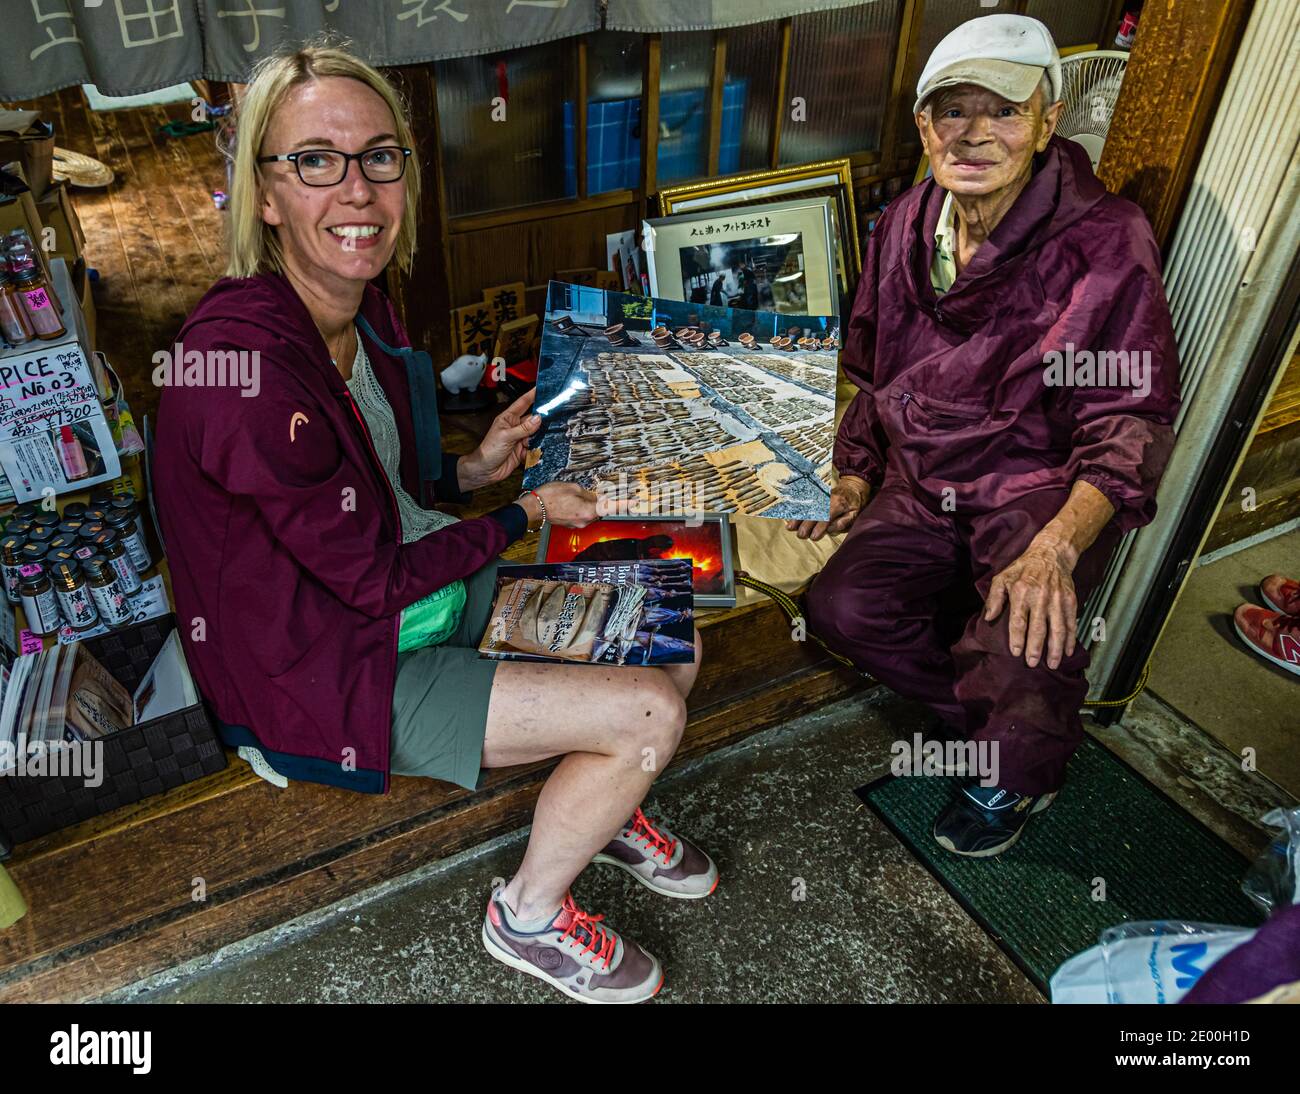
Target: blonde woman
[{"x": 299, "y": 530}]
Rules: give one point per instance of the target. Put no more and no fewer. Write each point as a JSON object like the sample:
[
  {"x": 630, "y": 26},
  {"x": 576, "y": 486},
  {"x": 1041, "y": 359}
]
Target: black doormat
[{"x": 1037, "y": 899}]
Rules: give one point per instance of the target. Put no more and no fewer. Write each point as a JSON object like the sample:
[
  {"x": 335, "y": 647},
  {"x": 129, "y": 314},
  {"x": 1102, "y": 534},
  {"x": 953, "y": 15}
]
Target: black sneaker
[{"x": 982, "y": 821}]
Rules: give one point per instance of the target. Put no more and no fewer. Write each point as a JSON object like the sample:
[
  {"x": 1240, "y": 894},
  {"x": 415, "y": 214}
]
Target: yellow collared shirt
[{"x": 943, "y": 270}]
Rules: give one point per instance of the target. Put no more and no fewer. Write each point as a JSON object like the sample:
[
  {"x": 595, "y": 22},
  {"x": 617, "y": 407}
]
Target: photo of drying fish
[
  {"x": 600, "y": 613},
  {"x": 678, "y": 409}
]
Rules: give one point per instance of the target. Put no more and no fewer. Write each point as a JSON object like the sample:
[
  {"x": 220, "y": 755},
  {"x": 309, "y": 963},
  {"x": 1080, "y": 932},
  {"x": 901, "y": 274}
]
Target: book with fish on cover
[{"x": 638, "y": 612}]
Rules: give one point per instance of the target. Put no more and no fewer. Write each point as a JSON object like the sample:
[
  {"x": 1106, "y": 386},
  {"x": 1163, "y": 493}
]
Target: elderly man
[{"x": 1018, "y": 382}]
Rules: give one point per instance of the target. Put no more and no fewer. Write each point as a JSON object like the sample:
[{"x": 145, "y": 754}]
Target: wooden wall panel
[
  {"x": 533, "y": 250},
  {"x": 1176, "y": 74}
]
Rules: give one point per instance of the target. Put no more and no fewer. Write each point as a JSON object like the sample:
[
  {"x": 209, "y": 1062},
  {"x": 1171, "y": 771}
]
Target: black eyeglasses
[{"x": 327, "y": 167}]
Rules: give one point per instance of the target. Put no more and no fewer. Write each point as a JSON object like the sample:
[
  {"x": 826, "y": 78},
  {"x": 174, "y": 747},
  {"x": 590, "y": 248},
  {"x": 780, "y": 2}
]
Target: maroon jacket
[
  {"x": 953, "y": 393},
  {"x": 284, "y": 541}
]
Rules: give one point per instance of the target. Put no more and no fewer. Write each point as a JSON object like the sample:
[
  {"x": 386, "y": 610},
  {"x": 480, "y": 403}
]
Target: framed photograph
[
  {"x": 769, "y": 258},
  {"x": 706, "y": 542},
  {"x": 829, "y": 178}
]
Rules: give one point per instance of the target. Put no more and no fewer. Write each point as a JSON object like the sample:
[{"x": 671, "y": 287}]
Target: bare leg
[
  {"x": 683, "y": 676},
  {"x": 616, "y": 728}
]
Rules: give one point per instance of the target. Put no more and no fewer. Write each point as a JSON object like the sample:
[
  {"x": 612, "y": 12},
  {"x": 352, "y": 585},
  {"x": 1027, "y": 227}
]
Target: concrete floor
[
  {"x": 874, "y": 925},
  {"x": 1204, "y": 671}
]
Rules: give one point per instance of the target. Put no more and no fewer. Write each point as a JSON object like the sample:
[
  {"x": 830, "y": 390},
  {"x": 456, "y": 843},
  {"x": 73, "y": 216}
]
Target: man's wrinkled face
[
  {"x": 979, "y": 142},
  {"x": 348, "y": 231}
]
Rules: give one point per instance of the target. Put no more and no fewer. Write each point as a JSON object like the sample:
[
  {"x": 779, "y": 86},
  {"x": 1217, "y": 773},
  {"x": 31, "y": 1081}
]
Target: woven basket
[{"x": 147, "y": 759}]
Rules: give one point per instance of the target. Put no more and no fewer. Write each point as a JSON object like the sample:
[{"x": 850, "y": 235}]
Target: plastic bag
[
  {"x": 1274, "y": 880},
  {"x": 1146, "y": 962}
]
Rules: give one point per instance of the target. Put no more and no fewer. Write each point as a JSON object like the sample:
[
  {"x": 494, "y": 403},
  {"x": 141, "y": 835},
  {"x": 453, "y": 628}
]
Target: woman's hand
[
  {"x": 1040, "y": 589},
  {"x": 847, "y": 499},
  {"x": 504, "y": 447},
  {"x": 567, "y": 504}
]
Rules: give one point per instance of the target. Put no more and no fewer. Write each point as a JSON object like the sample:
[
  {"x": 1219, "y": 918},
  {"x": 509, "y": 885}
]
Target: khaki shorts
[{"x": 440, "y": 699}]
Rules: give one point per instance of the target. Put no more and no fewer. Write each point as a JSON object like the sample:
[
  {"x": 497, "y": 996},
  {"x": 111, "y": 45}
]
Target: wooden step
[{"x": 139, "y": 890}]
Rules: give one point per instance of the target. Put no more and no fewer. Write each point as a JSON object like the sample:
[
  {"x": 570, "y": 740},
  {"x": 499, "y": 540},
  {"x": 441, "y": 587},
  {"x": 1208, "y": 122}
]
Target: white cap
[{"x": 1007, "y": 54}]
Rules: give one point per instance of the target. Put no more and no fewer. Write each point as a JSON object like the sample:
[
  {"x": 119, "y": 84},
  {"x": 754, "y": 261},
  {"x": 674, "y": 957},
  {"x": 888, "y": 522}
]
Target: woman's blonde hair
[{"x": 254, "y": 247}]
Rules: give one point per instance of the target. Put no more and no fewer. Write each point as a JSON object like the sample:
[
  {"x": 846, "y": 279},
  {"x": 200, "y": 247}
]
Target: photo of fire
[{"x": 706, "y": 544}]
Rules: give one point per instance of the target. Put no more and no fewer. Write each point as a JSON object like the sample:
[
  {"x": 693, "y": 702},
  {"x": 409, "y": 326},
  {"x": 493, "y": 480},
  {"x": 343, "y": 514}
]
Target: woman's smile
[{"x": 356, "y": 237}]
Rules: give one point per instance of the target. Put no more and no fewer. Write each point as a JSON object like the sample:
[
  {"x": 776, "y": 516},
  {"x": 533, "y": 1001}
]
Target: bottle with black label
[
  {"x": 108, "y": 544},
  {"x": 11, "y": 559},
  {"x": 33, "y": 554},
  {"x": 40, "y": 606},
  {"x": 123, "y": 522},
  {"x": 74, "y": 598},
  {"x": 59, "y": 554},
  {"x": 41, "y": 534},
  {"x": 107, "y": 592}
]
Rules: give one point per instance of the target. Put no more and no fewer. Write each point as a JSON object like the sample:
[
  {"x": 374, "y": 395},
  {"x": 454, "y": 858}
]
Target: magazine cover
[
  {"x": 684, "y": 409},
  {"x": 606, "y": 613}
]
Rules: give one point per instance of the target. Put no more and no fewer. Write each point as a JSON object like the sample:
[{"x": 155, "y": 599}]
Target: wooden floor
[{"x": 154, "y": 235}]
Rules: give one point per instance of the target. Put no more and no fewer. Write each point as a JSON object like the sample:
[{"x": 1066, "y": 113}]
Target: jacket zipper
[{"x": 397, "y": 619}]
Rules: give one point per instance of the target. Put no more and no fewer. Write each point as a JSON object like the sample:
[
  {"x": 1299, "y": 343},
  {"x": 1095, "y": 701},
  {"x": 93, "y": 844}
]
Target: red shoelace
[
  {"x": 599, "y": 942},
  {"x": 643, "y": 831}
]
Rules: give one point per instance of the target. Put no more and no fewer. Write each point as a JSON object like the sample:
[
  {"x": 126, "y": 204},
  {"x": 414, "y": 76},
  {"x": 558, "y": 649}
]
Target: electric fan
[{"x": 1089, "y": 87}]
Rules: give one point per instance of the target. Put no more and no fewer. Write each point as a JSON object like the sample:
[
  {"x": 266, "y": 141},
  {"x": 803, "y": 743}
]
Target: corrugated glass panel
[
  {"x": 840, "y": 67},
  {"x": 753, "y": 58},
  {"x": 524, "y": 159}
]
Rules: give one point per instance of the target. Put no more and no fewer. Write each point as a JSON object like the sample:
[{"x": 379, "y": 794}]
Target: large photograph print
[{"x": 680, "y": 409}]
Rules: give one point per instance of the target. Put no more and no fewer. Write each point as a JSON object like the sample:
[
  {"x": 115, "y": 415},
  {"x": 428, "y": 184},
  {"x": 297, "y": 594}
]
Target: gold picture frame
[{"x": 827, "y": 178}]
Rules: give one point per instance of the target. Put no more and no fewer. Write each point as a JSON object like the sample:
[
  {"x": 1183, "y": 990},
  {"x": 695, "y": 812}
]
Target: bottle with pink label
[{"x": 38, "y": 301}]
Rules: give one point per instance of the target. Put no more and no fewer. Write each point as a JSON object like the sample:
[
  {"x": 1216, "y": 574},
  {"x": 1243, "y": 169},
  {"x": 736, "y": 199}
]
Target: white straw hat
[{"x": 1007, "y": 54}]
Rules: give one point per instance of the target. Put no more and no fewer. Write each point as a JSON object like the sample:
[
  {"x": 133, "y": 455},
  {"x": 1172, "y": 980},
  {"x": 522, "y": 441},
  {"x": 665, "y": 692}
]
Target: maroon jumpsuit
[{"x": 972, "y": 445}]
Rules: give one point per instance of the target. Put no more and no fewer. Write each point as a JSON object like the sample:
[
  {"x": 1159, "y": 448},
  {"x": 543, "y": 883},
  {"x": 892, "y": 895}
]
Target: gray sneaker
[
  {"x": 659, "y": 860},
  {"x": 594, "y": 964}
]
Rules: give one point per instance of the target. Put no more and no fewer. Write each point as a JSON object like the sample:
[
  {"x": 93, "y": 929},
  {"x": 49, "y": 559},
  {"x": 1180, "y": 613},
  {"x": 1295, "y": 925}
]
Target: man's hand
[
  {"x": 1040, "y": 589},
  {"x": 503, "y": 448},
  {"x": 847, "y": 499},
  {"x": 1039, "y": 585}
]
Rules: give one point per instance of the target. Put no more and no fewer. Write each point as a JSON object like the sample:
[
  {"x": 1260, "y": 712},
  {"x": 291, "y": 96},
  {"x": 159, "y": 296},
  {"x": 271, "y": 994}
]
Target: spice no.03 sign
[
  {"x": 40, "y": 393},
  {"x": 53, "y": 433}
]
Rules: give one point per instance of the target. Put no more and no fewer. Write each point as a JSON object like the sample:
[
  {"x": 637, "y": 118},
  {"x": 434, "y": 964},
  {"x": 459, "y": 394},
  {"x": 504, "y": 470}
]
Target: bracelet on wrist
[{"x": 541, "y": 505}]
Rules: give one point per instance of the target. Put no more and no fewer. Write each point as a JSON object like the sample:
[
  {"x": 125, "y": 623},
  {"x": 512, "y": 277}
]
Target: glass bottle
[
  {"x": 14, "y": 324},
  {"x": 38, "y": 301}
]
